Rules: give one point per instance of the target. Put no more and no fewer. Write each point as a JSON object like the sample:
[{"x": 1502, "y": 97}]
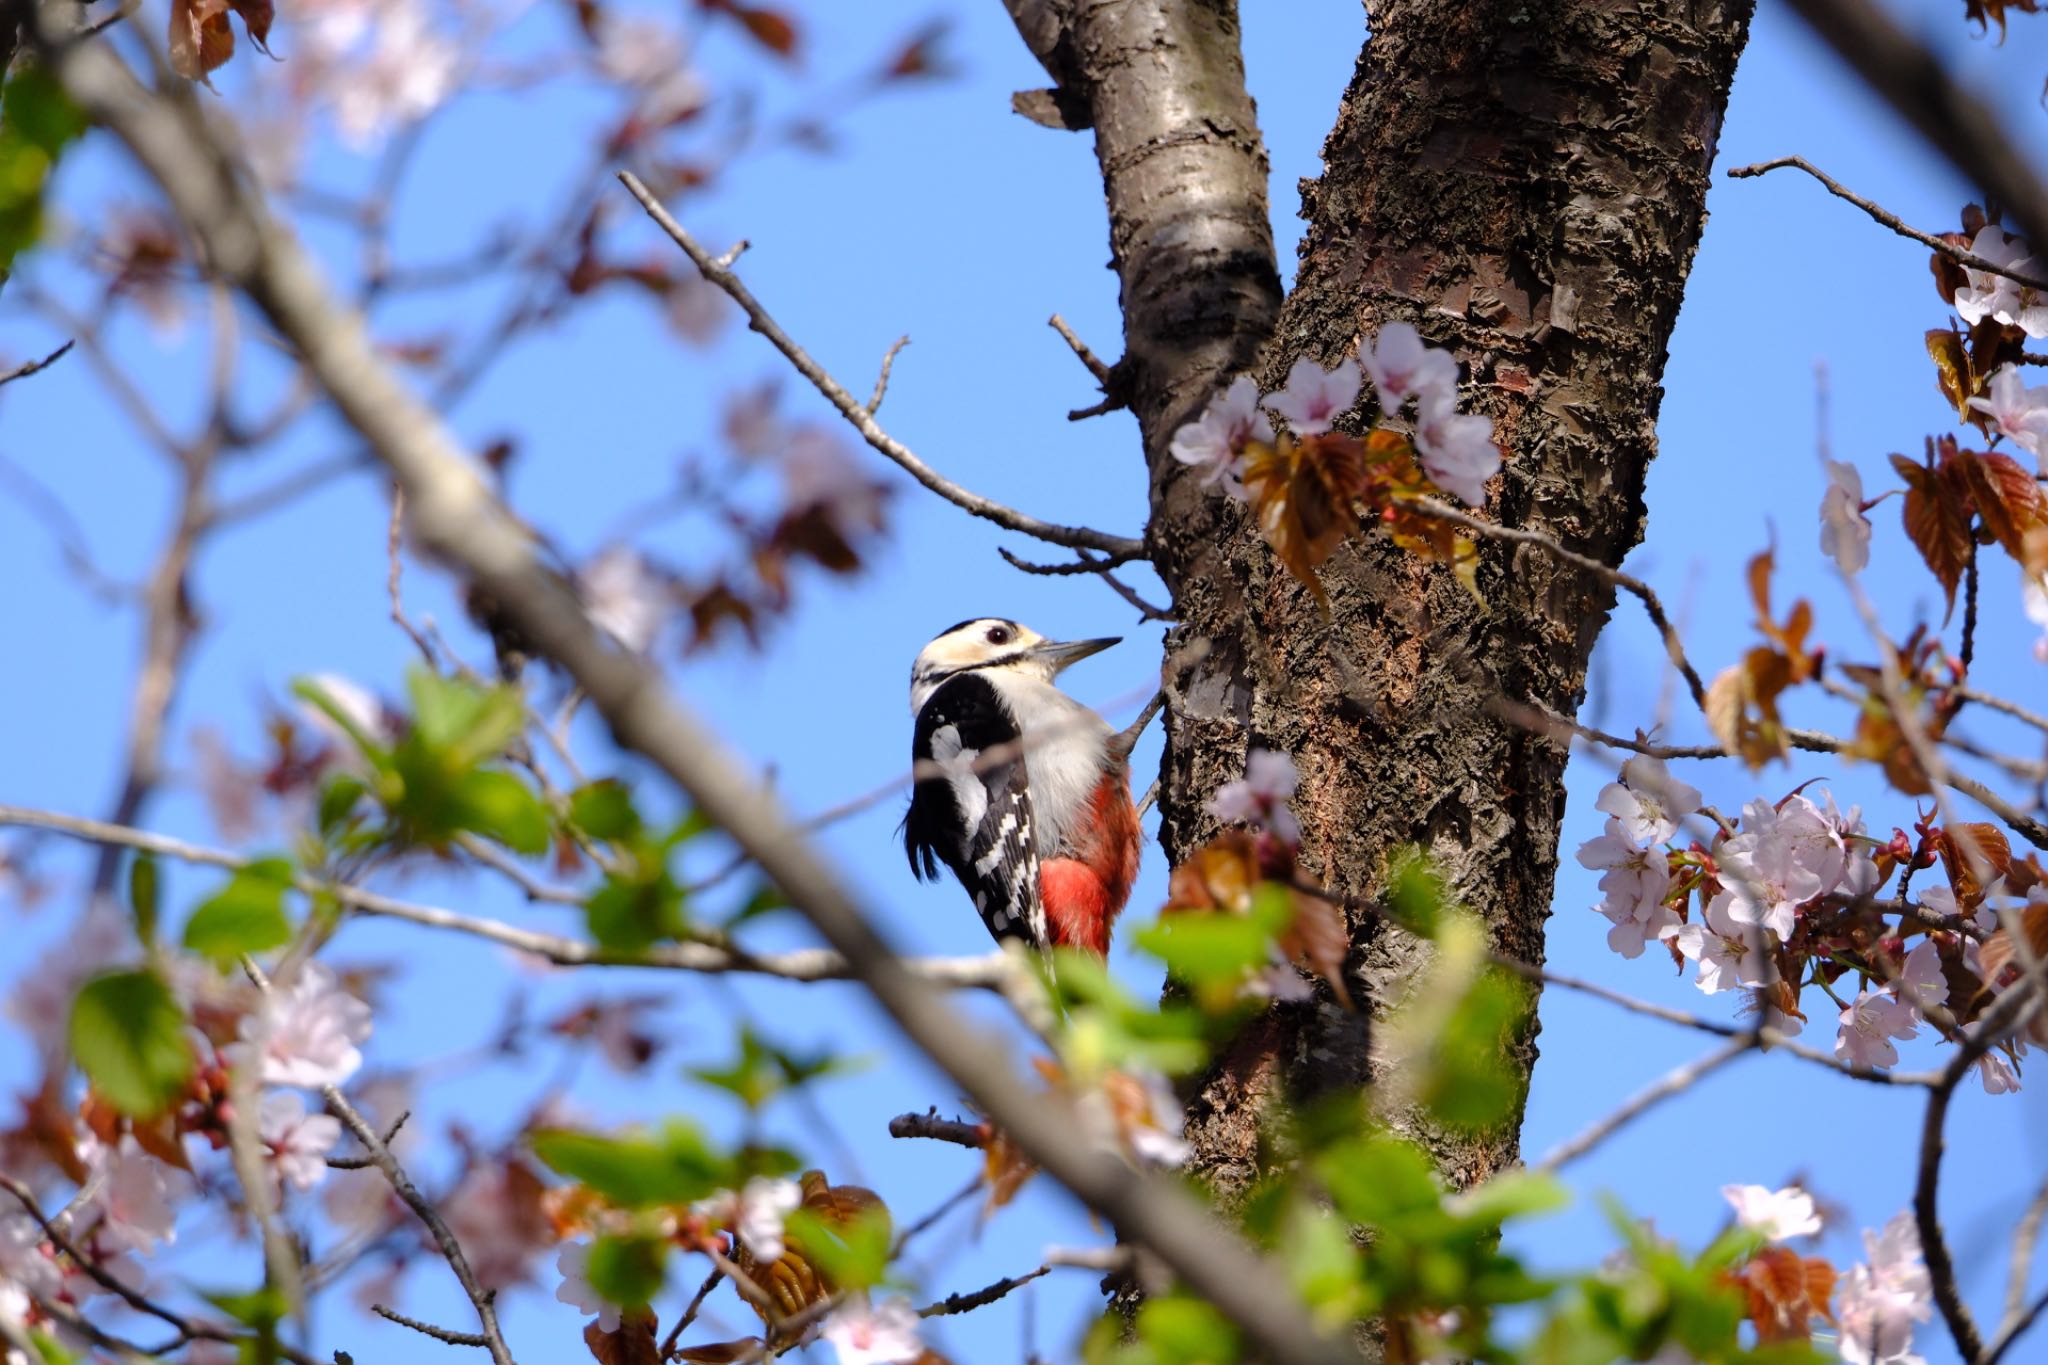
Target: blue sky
[{"x": 944, "y": 216}]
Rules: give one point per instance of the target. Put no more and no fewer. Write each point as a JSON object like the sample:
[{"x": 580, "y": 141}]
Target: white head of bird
[{"x": 995, "y": 645}]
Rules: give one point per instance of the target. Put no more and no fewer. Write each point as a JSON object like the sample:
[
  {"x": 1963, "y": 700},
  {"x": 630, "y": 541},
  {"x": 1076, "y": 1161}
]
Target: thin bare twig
[
  {"x": 1080, "y": 348},
  {"x": 981, "y": 1298},
  {"x": 428, "y": 1329},
  {"x": 874, "y": 403},
  {"x": 1674, "y": 1082},
  {"x": 37, "y": 366},
  {"x": 1959, "y": 255},
  {"x": 929, "y": 1125},
  {"x": 718, "y": 273}
]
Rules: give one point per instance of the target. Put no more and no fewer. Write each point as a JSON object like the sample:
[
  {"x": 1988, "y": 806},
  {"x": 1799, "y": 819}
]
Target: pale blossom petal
[
  {"x": 1402, "y": 367},
  {"x": 576, "y": 1290},
  {"x": 1456, "y": 449},
  {"x": 1315, "y": 397},
  {"x": 1780, "y": 1215},
  {"x": 874, "y": 1334},
  {"x": 1844, "y": 530}
]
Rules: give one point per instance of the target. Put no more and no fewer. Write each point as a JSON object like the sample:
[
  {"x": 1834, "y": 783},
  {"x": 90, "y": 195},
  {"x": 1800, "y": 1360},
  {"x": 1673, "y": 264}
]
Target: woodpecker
[{"x": 1032, "y": 810}]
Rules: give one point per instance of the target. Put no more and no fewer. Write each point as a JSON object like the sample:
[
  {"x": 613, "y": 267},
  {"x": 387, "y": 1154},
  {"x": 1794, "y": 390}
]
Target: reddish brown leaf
[
  {"x": 1952, "y": 368},
  {"x": 1937, "y": 518},
  {"x": 1785, "y": 1292},
  {"x": 632, "y": 1344},
  {"x": 1220, "y": 875},
  {"x": 1303, "y": 493},
  {"x": 257, "y": 15},
  {"x": 1982, "y": 12},
  {"x": 2005, "y": 496},
  {"x": 1005, "y": 1170},
  {"x": 200, "y": 38},
  {"x": 791, "y": 1280},
  {"x": 1319, "y": 940},
  {"x": 723, "y": 1352},
  {"x": 919, "y": 55}
]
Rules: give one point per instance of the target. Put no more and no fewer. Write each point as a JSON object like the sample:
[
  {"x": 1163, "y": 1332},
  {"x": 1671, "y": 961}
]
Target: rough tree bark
[{"x": 1524, "y": 182}]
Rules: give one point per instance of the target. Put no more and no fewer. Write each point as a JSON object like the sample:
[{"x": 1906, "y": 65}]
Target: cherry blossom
[
  {"x": 1997, "y": 1074},
  {"x": 408, "y": 70},
  {"x": 359, "y": 706},
  {"x": 1260, "y": 797},
  {"x": 879, "y": 1334},
  {"x": 1215, "y": 444},
  {"x": 41, "y": 999},
  {"x": 299, "y": 1142},
  {"x": 756, "y": 1213},
  {"x": 1729, "y": 953},
  {"x": 1860, "y": 875},
  {"x": 576, "y": 1289},
  {"x": 1786, "y": 855},
  {"x": 1456, "y": 449},
  {"x": 1314, "y": 397},
  {"x": 2020, "y": 413},
  {"x": 2034, "y": 599},
  {"x": 1402, "y": 367},
  {"x": 1920, "y": 982},
  {"x": 23, "y": 1265},
  {"x": 1877, "y": 1303},
  {"x": 1780, "y": 1215},
  {"x": 624, "y": 597},
  {"x": 1844, "y": 530},
  {"x": 305, "y": 1034},
  {"x": 1999, "y": 296},
  {"x": 131, "y": 1208},
  {"x": 1632, "y": 887},
  {"x": 646, "y": 56},
  {"x": 1869, "y": 1024},
  {"x": 1648, "y": 801}
]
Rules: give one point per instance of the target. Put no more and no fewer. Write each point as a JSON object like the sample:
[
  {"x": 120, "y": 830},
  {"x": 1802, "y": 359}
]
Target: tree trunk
[{"x": 1526, "y": 183}]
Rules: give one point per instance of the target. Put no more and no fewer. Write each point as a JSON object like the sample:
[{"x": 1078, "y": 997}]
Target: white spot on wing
[{"x": 958, "y": 762}]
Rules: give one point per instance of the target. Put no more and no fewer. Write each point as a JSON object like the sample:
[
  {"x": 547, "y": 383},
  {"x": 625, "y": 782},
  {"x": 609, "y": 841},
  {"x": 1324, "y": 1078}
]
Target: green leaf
[
  {"x": 37, "y": 121},
  {"x": 245, "y": 916},
  {"x": 338, "y": 801},
  {"x": 500, "y": 806},
  {"x": 144, "y": 896},
  {"x": 128, "y": 1035},
  {"x": 765, "y": 899},
  {"x": 763, "y": 1070},
  {"x": 1510, "y": 1195},
  {"x": 1378, "y": 1179},
  {"x": 1416, "y": 898},
  {"x": 36, "y": 109},
  {"x": 635, "y": 909},
  {"x": 466, "y": 723},
  {"x": 309, "y": 690},
  {"x": 628, "y": 1271},
  {"x": 850, "y": 1253},
  {"x": 1187, "y": 1332},
  {"x": 673, "y": 1166},
  {"x": 604, "y": 810}
]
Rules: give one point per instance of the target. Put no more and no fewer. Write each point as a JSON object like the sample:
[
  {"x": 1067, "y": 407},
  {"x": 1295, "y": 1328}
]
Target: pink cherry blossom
[
  {"x": 576, "y": 1289},
  {"x": 407, "y": 71},
  {"x": 1999, "y": 296},
  {"x": 1402, "y": 367},
  {"x": 1456, "y": 449},
  {"x": 1260, "y": 797},
  {"x": 1215, "y": 443},
  {"x": 1648, "y": 800},
  {"x": 41, "y": 999},
  {"x": 1877, "y": 1303},
  {"x": 2019, "y": 412},
  {"x": 305, "y": 1033},
  {"x": 1315, "y": 397},
  {"x": 132, "y": 1207},
  {"x": 1780, "y": 1215},
  {"x": 1920, "y": 982},
  {"x": 877, "y": 1334},
  {"x": 1868, "y": 1026},
  {"x": 298, "y": 1142},
  {"x": 647, "y": 56},
  {"x": 2034, "y": 600},
  {"x": 1844, "y": 530},
  {"x": 1997, "y": 1074}
]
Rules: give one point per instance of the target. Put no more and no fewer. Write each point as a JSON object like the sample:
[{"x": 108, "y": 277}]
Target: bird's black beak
[{"x": 1062, "y": 655}]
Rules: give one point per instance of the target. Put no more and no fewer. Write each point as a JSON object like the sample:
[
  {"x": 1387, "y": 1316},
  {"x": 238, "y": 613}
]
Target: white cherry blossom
[
  {"x": 1215, "y": 443},
  {"x": 1868, "y": 1026},
  {"x": 306, "y": 1033},
  {"x": 1315, "y": 397},
  {"x": 1729, "y": 953},
  {"x": 1780, "y": 1215},
  {"x": 576, "y": 1289},
  {"x": 132, "y": 1208},
  {"x": 756, "y": 1213},
  {"x": 1401, "y": 366},
  {"x": 2019, "y": 412},
  {"x": 1877, "y": 1303},
  {"x": 2034, "y": 600},
  {"x": 624, "y": 597},
  {"x": 874, "y": 1334},
  {"x": 1844, "y": 530},
  {"x": 1456, "y": 449},
  {"x": 1648, "y": 800},
  {"x": 1920, "y": 982},
  {"x": 1999, "y": 296}
]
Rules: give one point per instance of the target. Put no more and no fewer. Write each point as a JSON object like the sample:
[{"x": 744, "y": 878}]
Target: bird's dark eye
[{"x": 999, "y": 635}]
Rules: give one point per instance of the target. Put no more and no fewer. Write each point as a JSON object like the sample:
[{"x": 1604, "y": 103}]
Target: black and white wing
[{"x": 976, "y": 817}]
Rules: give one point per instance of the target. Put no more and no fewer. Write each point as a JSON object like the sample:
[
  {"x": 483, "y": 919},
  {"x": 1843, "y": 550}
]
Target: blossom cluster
[
  {"x": 2000, "y": 297},
  {"x": 1770, "y": 898},
  {"x": 1455, "y": 449}
]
